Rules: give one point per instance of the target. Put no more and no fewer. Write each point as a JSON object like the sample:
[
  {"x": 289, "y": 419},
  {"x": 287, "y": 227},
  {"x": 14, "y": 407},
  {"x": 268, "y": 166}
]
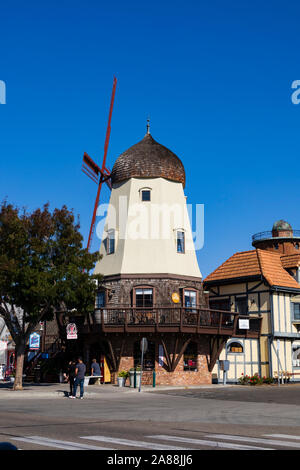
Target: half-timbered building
[{"x": 263, "y": 282}]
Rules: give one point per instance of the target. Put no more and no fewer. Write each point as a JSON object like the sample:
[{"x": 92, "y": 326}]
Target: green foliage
[
  {"x": 43, "y": 268},
  {"x": 123, "y": 373},
  {"x": 244, "y": 379},
  {"x": 255, "y": 380},
  {"x": 137, "y": 368}
]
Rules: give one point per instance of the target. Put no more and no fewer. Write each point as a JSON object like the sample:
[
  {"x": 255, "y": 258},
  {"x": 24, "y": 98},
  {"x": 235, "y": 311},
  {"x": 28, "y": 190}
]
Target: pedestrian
[
  {"x": 79, "y": 378},
  {"x": 70, "y": 376},
  {"x": 95, "y": 370}
]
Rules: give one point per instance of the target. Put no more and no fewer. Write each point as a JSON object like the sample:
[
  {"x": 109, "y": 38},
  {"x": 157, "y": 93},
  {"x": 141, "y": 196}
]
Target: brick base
[{"x": 201, "y": 376}]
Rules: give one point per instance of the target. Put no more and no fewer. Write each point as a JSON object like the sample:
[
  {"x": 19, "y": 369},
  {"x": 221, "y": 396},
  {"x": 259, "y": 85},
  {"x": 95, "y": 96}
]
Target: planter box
[
  {"x": 138, "y": 378},
  {"x": 121, "y": 381}
]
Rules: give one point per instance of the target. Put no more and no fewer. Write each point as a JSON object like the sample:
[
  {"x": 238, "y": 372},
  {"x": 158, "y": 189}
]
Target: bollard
[
  {"x": 134, "y": 378},
  {"x": 153, "y": 379}
]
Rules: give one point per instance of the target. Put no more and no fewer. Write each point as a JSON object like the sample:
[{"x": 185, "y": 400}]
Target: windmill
[{"x": 97, "y": 174}]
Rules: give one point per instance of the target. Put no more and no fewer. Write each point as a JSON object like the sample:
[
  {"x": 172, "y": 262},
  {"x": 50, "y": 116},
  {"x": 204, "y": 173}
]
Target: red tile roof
[
  {"x": 252, "y": 264},
  {"x": 290, "y": 261}
]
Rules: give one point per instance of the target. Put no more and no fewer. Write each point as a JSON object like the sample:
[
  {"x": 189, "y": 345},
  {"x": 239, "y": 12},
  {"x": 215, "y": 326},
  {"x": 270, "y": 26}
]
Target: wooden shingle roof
[{"x": 148, "y": 159}]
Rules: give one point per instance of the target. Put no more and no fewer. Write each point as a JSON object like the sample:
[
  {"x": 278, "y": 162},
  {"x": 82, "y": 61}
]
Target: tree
[{"x": 43, "y": 269}]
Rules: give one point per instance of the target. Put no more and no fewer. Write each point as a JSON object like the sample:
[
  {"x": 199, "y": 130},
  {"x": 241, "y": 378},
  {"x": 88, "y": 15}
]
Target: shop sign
[
  {"x": 71, "y": 331},
  {"x": 34, "y": 341},
  {"x": 243, "y": 324},
  {"x": 175, "y": 298}
]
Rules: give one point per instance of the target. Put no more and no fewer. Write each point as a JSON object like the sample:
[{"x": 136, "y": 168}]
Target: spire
[{"x": 148, "y": 126}]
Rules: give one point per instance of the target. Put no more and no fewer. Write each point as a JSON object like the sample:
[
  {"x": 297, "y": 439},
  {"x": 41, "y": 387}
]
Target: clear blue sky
[{"x": 215, "y": 77}]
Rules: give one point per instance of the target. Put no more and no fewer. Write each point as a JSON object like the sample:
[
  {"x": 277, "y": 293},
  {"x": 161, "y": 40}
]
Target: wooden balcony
[{"x": 170, "y": 320}]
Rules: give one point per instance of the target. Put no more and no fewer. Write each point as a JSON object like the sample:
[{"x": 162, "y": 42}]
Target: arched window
[
  {"x": 143, "y": 296},
  {"x": 235, "y": 347},
  {"x": 145, "y": 194}
]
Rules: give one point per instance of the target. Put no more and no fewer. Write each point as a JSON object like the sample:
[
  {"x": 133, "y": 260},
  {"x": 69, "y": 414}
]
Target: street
[{"x": 196, "y": 418}]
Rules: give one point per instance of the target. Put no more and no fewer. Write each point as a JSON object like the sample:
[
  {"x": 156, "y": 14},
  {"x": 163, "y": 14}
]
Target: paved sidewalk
[{"x": 50, "y": 390}]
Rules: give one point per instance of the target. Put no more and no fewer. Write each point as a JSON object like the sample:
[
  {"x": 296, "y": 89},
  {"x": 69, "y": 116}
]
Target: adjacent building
[{"x": 265, "y": 283}]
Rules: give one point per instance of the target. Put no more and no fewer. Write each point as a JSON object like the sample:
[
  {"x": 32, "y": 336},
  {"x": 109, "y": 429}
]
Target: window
[
  {"x": 219, "y": 304},
  {"x": 242, "y": 305},
  {"x": 149, "y": 355},
  {"x": 190, "y": 357},
  {"x": 297, "y": 246},
  {"x": 296, "y": 310},
  {"x": 146, "y": 195},
  {"x": 190, "y": 298},
  {"x": 144, "y": 297},
  {"x": 235, "y": 347},
  {"x": 180, "y": 241},
  {"x": 110, "y": 242},
  {"x": 100, "y": 299}
]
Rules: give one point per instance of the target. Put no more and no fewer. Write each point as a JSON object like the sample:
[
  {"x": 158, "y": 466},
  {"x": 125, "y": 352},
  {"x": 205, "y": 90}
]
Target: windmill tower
[
  {"x": 147, "y": 230},
  {"x": 152, "y": 285}
]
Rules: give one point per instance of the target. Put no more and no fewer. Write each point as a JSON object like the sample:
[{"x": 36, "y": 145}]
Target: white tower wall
[{"x": 146, "y": 231}]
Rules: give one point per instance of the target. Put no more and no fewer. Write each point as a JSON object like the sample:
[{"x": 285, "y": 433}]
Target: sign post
[
  {"x": 278, "y": 348},
  {"x": 144, "y": 347},
  {"x": 224, "y": 366}
]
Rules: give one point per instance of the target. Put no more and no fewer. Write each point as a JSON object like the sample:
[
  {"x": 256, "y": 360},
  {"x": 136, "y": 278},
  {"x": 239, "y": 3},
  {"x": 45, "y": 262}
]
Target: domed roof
[
  {"x": 281, "y": 225},
  {"x": 148, "y": 159}
]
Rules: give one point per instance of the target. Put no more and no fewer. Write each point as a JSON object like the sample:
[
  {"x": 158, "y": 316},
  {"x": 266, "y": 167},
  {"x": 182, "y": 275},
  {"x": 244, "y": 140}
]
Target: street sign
[{"x": 144, "y": 345}]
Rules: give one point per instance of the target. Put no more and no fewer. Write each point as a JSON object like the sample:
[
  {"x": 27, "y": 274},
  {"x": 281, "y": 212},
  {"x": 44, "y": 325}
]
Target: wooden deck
[{"x": 171, "y": 320}]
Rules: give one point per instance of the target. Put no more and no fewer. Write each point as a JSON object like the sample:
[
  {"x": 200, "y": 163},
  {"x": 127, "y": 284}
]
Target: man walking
[
  {"x": 79, "y": 378},
  {"x": 95, "y": 369}
]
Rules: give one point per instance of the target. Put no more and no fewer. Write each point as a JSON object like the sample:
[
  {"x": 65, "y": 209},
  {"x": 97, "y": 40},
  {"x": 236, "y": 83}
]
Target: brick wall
[{"x": 179, "y": 377}]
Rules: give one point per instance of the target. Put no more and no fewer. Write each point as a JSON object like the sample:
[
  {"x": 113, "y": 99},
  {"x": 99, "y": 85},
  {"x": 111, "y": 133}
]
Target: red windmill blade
[{"x": 92, "y": 170}]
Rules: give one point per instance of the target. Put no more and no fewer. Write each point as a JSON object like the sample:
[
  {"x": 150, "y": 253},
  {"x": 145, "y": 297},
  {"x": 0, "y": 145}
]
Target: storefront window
[
  {"x": 190, "y": 358},
  {"x": 235, "y": 348},
  {"x": 149, "y": 355}
]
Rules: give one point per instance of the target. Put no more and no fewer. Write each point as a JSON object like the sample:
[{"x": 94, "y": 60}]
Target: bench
[{"x": 88, "y": 377}]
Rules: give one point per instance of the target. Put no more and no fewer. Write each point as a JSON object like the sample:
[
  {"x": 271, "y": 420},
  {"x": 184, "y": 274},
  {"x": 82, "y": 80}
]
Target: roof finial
[{"x": 148, "y": 125}]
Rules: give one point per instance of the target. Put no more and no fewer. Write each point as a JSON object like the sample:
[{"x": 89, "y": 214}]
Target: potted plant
[
  {"x": 137, "y": 371},
  {"x": 122, "y": 376},
  {"x": 12, "y": 377}
]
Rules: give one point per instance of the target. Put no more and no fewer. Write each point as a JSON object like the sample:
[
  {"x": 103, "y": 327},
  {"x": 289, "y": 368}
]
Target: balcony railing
[
  {"x": 269, "y": 234},
  {"x": 169, "y": 319}
]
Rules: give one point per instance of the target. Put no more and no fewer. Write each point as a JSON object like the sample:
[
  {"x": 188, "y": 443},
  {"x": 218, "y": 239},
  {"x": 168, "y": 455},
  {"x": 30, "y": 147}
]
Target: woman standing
[{"x": 70, "y": 376}]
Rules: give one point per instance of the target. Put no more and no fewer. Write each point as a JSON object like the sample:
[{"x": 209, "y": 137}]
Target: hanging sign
[
  {"x": 175, "y": 298},
  {"x": 71, "y": 331},
  {"x": 34, "y": 342},
  {"x": 243, "y": 324}
]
